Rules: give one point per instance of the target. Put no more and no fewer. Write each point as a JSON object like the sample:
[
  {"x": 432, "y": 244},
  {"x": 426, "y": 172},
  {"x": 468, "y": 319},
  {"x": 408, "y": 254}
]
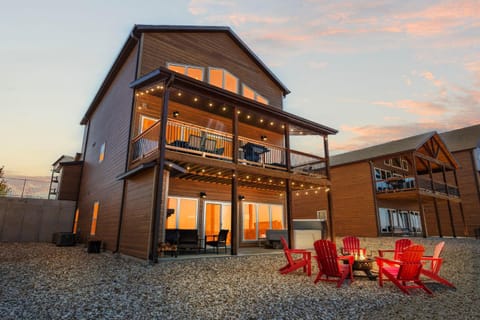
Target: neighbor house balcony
[
  {"x": 198, "y": 141},
  {"x": 421, "y": 184}
]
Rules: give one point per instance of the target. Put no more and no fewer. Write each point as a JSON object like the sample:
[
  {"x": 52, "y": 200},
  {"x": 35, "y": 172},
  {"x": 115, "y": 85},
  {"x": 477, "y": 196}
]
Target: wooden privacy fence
[{"x": 34, "y": 220}]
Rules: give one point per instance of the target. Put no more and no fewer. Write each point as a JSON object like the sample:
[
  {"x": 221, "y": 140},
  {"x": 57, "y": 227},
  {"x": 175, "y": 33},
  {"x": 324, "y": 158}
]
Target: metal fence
[{"x": 27, "y": 187}]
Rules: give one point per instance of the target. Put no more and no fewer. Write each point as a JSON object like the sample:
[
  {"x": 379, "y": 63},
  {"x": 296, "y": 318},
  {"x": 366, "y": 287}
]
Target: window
[
  {"x": 185, "y": 214},
  {"x": 223, "y": 79},
  {"x": 252, "y": 94},
  {"x": 405, "y": 165},
  {"x": 259, "y": 217},
  {"x": 75, "y": 221},
  {"x": 397, "y": 162},
  {"x": 146, "y": 122},
  {"x": 101, "y": 156},
  {"x": 248, "y": 92},
  {"x": 191, "y": 71},
  {"x": 93, "y": 228}
]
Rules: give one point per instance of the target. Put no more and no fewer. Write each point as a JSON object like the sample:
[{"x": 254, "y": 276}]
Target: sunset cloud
[{"x": 423, "y": 108}]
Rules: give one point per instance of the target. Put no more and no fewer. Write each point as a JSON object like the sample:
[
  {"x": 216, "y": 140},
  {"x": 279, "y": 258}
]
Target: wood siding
[
  {"x": 137, "y": 215},
  {"x": 305, "y": 206},
  {"x": 109, "y": 124},
  {"x": 207, "y": 49},
  {"x": 69, "y": 182},
  {"x": 353, "y": 200},
  {"x": 469, "y": 191}
]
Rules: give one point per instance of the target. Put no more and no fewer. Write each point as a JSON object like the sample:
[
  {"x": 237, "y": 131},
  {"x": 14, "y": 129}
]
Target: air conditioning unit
[{"x": 64, "y": 239}]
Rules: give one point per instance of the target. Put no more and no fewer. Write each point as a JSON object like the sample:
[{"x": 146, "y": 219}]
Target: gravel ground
[{"x": 42, "y": 281}]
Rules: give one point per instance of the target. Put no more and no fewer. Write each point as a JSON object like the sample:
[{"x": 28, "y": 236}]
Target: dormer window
[
  {"x": 223, "y": 79},
  {"x": 191, "y": 71}
]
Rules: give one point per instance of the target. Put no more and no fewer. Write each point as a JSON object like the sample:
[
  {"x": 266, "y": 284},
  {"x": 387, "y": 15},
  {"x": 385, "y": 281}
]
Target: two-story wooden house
[
  {"x": 403, "y": 187},
  {"x": 189, "y": 121},
  {"x": 464, "y": 144}
]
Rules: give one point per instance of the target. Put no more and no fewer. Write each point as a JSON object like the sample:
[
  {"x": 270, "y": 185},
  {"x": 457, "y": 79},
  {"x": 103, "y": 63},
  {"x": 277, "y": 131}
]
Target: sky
[{"x": 374, "y": 70}]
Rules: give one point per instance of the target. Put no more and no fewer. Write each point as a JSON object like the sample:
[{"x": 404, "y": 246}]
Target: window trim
[
  {"x": 255, "y": 94},
  {"x": 96, "y": 209},
  {"x": 102, "y": 151},
  {"x": 177, "y": 211},
  {"x": 224, "y": 71},
  {"x": 256, "y": 204},
  {"x": 142, "y": 117},
  {"x": 188, "y": 66}
]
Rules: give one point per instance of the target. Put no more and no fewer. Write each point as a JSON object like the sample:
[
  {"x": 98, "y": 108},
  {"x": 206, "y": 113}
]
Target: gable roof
[
  {"x": 462, "y": 139},
  {"x": 134, "y": 38},
  {"x": 380, "y": 150}
]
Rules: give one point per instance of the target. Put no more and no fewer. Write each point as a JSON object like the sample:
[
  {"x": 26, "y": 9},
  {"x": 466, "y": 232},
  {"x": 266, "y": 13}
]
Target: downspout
[
  {"x": 127, "y": 162},
  {"x": 84, "y": 151}
]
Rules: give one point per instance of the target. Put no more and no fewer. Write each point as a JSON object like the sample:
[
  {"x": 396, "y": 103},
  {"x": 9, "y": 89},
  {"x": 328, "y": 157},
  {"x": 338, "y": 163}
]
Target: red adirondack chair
[
  {"x": 330, "y": 264},
  {"x": 351, "y": 245},
  {"x": 400, "y": 245},
  {"x": 435, "y": 265},
  {"x": 405, "y": 272},
  {"x": 294, "y": 264}
]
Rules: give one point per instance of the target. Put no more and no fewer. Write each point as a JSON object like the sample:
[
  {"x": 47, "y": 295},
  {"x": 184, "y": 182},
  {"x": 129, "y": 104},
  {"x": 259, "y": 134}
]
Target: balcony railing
[
  {"x": 408, "y": 183},
  {"x": 186, "y": 137}
]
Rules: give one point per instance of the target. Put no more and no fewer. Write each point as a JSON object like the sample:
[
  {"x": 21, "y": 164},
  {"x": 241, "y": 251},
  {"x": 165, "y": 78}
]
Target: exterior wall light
[
  {"x": 176, "y": 114},
  {"x": 203, "y": 195},
  {"x": 241, "y": 198},
  {"x": 263, "y": 138}
]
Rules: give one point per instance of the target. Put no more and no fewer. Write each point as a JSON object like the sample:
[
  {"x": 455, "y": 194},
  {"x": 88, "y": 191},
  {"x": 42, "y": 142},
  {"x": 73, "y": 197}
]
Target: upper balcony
[
  {"x": 423, "y": 185},
  {"x": 200, "y": 121},
  {"x": 204, "y": 142}
]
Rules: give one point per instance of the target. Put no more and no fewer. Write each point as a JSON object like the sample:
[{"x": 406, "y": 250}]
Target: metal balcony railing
[
  {"x": 408, "y": 183},
  {"x": 186, "y": 137}
]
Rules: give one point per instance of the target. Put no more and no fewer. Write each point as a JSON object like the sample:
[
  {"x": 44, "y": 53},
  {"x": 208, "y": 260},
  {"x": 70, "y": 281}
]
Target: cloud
[
  {"x": 474, "y": 67},
  {"x": 423, "y": 108}
]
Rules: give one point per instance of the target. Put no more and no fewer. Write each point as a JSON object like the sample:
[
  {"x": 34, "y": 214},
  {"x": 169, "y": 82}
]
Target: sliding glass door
[{"x": 217, "y": 216}]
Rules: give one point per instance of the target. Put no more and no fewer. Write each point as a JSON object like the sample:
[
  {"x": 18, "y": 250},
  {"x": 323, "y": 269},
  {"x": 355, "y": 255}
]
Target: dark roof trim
[
  {"x": 134, "y": 37},
  {"x": 144, "y": 166},
  {"x": 112, "y": 73},
  {"x": 165, "y": 28},
  {"x": 71, "y": 163},
  {"x": 188, "y": 82}
]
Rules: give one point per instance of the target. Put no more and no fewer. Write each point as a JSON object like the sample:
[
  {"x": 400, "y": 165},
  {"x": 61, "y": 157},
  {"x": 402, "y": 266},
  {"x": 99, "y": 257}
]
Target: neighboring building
[
  {"x": 65, "y": 178},
  {"x": 403, "y": 187},
  {"x": 464, "y": 144},
  {"x": 190, "y": 119}
]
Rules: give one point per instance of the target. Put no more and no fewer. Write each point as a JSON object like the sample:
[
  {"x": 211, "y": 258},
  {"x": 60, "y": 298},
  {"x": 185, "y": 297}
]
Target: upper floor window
[
  {"x": 146, "y": 122},
  {"x": 191, "y": 71},
  {"x": 223, "y": 79},
  {"x": 252, "y": 94},
  {"x": 101, "y": 156},
  {"x": 397, "y": 162}
]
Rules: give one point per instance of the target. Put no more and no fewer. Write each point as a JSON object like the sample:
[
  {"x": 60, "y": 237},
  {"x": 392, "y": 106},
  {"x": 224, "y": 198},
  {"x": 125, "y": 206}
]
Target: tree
[{"x": 4, "y": 189}]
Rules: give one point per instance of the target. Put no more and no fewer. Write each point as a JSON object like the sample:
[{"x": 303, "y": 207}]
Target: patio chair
[
  {"x": 351, "y": 245},
  {"x": 218, "y": 241},
  {"x": 404, "y": 273},
  {"x": 435, "y": 265},
  {"x": 400, "y": 245},
  {"x": 195, "y": 142},
  {"x": 294, "y": 264},
  {"x": 330, "y": 264}
]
